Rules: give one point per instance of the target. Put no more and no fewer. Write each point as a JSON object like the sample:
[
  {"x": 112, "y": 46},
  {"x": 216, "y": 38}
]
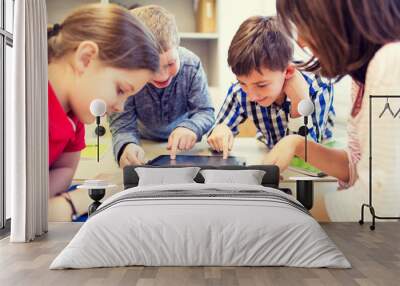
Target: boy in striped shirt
[{"x": 269, "y": 89}]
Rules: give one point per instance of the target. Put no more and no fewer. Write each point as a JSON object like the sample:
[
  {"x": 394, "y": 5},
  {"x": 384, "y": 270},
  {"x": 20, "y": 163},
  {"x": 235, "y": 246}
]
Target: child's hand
[
  {"x": 181, "y": 138},
  {"x": 133, "y": 155},
  {"x": 283, "y": 152},
  {"x": 221, "y": 139}
]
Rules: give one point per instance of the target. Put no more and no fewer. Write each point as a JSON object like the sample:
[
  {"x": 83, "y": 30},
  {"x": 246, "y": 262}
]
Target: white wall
[
  {"x": 230, "y": 15},
  {"x": 58, "y": 9}
]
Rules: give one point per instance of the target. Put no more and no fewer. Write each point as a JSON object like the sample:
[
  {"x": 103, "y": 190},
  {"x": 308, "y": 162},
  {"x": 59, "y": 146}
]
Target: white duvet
[{"x": 201, "y": 224}]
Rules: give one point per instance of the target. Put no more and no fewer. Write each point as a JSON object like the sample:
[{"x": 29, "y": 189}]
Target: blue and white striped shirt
[{"x": 272, "y": 121}]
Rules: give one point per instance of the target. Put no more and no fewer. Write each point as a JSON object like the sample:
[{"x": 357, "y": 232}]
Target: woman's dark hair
[{"x": 343, "y": 34}]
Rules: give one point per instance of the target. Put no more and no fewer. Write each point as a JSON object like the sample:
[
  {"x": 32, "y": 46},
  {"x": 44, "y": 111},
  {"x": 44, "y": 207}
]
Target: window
[
  {"x": 9, "y": 12},
  {"x": 6, "y": 60}
]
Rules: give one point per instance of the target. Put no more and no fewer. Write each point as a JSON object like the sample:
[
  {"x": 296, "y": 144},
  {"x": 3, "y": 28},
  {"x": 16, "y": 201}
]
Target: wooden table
[{"x": 252, "y": 150}]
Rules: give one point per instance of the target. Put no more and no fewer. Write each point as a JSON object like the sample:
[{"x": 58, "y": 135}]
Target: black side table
[
  {"x": 305, "y": 189},
  {"x": 96, "y": 190},
  {"x": 305, "y": 193},
  {"x": 96, "y": 195}
]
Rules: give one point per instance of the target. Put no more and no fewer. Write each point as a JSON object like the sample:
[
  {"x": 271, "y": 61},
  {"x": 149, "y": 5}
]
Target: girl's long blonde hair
[{"x": 123, "y": 41}]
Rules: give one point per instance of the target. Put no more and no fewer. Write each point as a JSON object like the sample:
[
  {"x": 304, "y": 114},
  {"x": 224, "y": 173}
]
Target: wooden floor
[{"x": 375, "y": 257}]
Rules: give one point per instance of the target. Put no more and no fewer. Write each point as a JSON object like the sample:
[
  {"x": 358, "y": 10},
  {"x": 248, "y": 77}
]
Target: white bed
[{"x": 201, "y": 224}]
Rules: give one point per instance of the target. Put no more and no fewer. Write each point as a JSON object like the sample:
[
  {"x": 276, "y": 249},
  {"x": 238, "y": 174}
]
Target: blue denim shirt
[{"x": 154, "y": 113}]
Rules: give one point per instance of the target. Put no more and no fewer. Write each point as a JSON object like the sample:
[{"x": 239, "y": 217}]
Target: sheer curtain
[{"x": 27, "y": 129}]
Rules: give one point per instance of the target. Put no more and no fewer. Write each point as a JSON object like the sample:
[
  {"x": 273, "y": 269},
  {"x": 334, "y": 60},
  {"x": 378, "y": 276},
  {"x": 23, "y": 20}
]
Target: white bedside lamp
[
  {"x": 98, "y": 108},
  {"x": 305, "y": 108}
]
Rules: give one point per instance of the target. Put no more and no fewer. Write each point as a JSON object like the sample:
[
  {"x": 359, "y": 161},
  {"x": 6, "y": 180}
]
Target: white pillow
[
  {"x": 164, "y": 176},
  {"x": 248, "y": 177}
]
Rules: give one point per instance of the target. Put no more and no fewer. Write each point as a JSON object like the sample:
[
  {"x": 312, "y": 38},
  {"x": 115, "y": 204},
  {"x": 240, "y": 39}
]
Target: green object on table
[
  {"x": 302, "y": 166},
  {"x": 90, "y": 152}
]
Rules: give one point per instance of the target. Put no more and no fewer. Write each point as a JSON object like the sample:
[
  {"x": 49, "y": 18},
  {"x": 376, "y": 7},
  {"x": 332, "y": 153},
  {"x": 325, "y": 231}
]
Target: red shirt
[{"x": 66, "y": 132}]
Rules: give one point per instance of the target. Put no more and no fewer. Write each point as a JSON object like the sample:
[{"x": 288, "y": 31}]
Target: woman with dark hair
[{"x": 360, "y": 39}]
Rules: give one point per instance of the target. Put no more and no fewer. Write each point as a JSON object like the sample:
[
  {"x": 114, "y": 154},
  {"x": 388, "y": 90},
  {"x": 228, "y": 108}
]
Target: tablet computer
[{"x": 196, "y": 160}]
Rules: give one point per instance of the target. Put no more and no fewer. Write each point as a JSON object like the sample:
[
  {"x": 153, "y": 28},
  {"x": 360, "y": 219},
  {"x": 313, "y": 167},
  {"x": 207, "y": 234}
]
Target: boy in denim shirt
[{"x": 175, "y": 106}]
